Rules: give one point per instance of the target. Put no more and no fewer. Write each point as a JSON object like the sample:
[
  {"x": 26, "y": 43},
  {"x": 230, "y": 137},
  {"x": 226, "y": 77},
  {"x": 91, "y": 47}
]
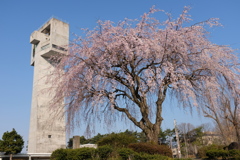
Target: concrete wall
[
  {"x": 47, "y": 131},
  {"x": 76, "y": 142}
]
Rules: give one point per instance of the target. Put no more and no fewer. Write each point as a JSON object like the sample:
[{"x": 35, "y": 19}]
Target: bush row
[
  {"x": 151, "y": 149},
  {"x": 119, "y": 140},
  {"x": 139, "y": 151},
  {"x": 203, "y": 150},
  {"x": 224, "y": 154},
  {"x": 127, "y": 153},
  {"x": 101, "y": 153}
]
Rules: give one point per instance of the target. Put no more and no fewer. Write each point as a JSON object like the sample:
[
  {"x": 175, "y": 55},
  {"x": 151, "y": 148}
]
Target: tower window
[
  {"x": 34, "y": 49},
  {"x": 46, "y": 30},
  {"x": 49, "y": 136}
]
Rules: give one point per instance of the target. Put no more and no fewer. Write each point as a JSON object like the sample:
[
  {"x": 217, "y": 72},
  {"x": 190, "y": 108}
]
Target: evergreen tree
[
  {"x": 167, "y": 136},
  {"x": 11, "y": 143}
]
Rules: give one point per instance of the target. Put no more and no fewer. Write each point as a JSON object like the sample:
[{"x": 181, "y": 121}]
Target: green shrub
[
  {"x": 85, "y": 153},
  {"x": 223, "y": 153},
  {"x": 215, "y": 153},
  {"x": 59, "y": 154},
  {"x": 145, "y": 156},
  {"x": 212, "y": 154},
  {"x": 234, "y": 153},
  {"x": 71, "y": 154},
  {"x": 151, "y": 149},
  {"x": 125, "y": 153},
  {"x": 119, "y": 140},
  {"x": 80, "y": 154},
  {"x": 202, "y": 151},
  {"x": 104, "y": 151}
]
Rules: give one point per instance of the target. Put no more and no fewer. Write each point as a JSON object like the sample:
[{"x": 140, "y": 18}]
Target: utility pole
[{"x": 177, "y": 137}]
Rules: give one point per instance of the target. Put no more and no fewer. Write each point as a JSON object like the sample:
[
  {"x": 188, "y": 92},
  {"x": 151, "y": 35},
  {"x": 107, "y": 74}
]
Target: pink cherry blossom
[{"x": 132, "y": 67}]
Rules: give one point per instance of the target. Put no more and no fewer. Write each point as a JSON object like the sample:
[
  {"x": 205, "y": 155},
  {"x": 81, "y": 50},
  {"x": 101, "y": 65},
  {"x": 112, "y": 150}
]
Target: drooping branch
[
  {"x": 141, "y": 63},
  {"x": 128, "y": 115}
]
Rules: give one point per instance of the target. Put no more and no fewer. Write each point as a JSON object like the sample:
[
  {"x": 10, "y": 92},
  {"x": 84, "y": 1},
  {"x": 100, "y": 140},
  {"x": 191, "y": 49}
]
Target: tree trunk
[
  {"x": 10, "y": 157},
  {"x": 152, "y": 134},
  {"x": 225, "y": 139},
  {"x": 214, "y": 115},
  {"x": 151, "y": 130},
  {"x": 237, "y": 132}
]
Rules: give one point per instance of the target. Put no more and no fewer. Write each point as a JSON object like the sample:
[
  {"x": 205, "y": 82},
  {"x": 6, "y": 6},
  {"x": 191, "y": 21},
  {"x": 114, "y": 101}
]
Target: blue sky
[{"x": 19, "y": 18}]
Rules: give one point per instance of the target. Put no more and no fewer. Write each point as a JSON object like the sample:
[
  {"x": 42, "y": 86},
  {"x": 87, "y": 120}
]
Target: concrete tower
[{"x": 46, "y": 132}]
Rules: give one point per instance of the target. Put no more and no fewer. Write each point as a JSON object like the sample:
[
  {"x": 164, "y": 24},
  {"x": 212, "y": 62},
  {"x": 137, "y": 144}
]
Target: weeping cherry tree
[{"x": 130, "y": 68}]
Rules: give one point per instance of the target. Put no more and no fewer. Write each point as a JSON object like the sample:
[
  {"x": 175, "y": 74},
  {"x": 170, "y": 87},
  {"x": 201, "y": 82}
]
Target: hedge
[
  {"x": 145, "y": 156},
  {"x": 104, "y": 152},
  {"x": 203, "y": 150},
  {"x": 126, "y": 153},
  {"x": 73, "y": 154},
  {"x": 151, "y": 149},
  {"x": 119, "y": 140},
  {"x": 59, "y": 154},
  {"x": 224, "y": 154}
]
